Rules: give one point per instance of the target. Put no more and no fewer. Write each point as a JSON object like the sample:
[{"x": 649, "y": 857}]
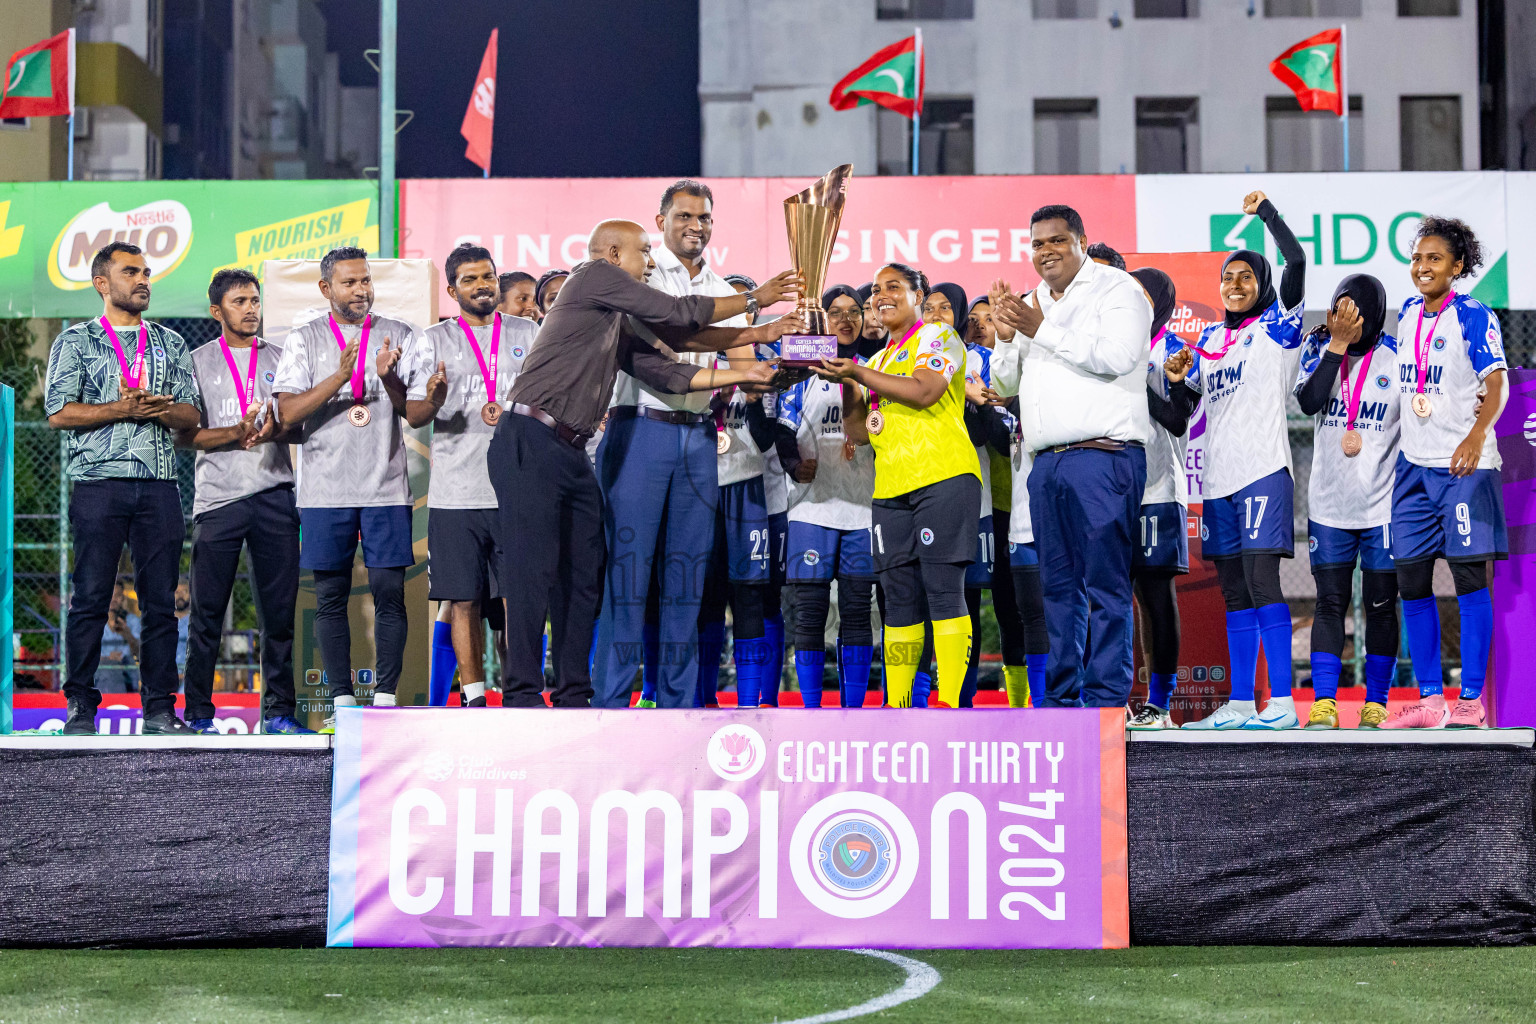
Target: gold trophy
[{"x": 812, "y": 218}]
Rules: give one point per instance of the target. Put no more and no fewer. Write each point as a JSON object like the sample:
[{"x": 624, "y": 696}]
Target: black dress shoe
[
  {"x": 81, "y": 720},
  {"x": 165, "y": 723}
]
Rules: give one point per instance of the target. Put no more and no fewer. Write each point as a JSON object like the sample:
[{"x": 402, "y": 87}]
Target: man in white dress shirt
[
  {"x": 1075, "y": 352},
  {"x": 656, "y": 466}
]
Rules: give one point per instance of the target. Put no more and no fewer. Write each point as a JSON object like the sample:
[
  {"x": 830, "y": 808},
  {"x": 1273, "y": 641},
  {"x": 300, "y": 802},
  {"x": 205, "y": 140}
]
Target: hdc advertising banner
[
  {"x": 966, "y": 230},
  {"x": 969, "y": 829}
]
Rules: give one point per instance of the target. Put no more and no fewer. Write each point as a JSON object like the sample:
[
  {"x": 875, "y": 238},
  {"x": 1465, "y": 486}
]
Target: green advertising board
[{"x": 187, "y": 229}]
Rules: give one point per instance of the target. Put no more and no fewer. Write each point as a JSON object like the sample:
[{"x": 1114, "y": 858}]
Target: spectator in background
[
  {"x": 1101, "y": 253},
  {"x": 517, "y": 290},
  {"x": 119, "y": 645},
  {"x": 183, "y": 607},
  {"x": 547, "y": 287}
]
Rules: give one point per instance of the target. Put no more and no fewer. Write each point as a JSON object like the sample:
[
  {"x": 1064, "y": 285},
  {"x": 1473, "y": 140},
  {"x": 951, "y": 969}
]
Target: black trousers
[
  {"x": 103, "y": 516},
  {"x": 268, "y": 524},
  {"x": 552, "y": 555}
]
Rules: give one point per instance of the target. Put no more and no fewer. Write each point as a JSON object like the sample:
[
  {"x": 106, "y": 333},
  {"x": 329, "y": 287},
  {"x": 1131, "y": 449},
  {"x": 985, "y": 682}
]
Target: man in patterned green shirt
[{"x": 120, "y": 387}]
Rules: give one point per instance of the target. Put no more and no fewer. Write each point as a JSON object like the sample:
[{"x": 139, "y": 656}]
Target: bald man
[{"x": 551, "y": 514}]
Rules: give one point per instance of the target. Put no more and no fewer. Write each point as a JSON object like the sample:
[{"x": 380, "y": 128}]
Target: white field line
[{"x": 921, "y": 979}]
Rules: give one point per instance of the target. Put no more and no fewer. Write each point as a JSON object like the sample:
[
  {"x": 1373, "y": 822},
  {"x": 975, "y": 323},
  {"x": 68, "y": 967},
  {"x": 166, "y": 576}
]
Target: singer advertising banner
[{"x": 965, "y": 829}]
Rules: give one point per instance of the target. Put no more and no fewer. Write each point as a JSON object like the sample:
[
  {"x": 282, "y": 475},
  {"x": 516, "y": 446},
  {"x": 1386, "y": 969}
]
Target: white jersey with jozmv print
[
  {"x": 1459, "y": 347},
  {"x": 1166, "y": 478},
  {"x": 1354, "y": 493},
  {"x": 840, "y": 496}
]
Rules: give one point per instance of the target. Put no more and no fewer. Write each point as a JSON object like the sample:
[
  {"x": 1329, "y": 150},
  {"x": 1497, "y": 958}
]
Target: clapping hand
[
  {"x": 387, "y": 360},
  {"x": 1019, "y": 316},
  {"x": 437, "y": 385},
  {"x": 1177, "y": 366},
  {"x": 268, "y": 429},
  {"x": 979, "y": 394}
]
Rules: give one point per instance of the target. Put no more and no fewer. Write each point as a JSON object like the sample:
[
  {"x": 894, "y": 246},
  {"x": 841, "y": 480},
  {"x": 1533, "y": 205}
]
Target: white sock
[
  {"x": 344, "y": 700},
  {"x": 383, "y": 700},
  {"x": 473, "y": 691},
  {"x": 1243, "y": 706},
  {"x": 1288, "y": 702}
]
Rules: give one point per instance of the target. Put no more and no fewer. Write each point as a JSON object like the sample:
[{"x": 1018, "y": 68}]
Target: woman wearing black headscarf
[
  {"x": 874, "y": 336},
  {"x": 1348, "y": 381},
  {"x": 1163, "y": 551},
  {"x": 1242, "y": 367}
]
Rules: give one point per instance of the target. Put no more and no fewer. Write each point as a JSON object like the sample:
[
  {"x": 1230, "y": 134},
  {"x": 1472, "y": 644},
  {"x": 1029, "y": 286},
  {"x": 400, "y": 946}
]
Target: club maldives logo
[
  {"x": 163, "y": 229},
  {"x": 854, "y": 855},
  {"x": 438, "y": 766},
  {"x": 736, "y": 752}
]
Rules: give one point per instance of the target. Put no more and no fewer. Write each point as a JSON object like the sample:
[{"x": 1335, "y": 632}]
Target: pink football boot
[
  {"x": 1427, "y": 713},
  {"x": 1466, "y": 714}
]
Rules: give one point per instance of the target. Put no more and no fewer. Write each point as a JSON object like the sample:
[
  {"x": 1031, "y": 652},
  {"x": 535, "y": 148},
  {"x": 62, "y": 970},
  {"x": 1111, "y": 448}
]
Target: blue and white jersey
[
  {"x": 1166, "y": 478},
  {"x": 978, "y": 366},
  {"x": 1021, "y": 528},
  {"x": 1462, "y": 346},
  {"x": 1354, "y": 493},
  {"x": 742, "y": 460},
  {"x": 840, "y": 496},
  {"x": 1245, "y": 385},
  {"x": 775, "y": 483}
]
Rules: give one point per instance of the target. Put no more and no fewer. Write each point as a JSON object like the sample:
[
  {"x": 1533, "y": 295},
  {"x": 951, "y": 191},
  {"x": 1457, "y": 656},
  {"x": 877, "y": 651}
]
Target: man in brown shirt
[{"x": 551, "y": 507}]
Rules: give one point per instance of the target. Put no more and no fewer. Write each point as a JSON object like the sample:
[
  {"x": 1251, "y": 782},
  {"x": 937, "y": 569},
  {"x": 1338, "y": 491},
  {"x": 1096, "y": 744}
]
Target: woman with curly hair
[{"x": 1446, "y": 499}]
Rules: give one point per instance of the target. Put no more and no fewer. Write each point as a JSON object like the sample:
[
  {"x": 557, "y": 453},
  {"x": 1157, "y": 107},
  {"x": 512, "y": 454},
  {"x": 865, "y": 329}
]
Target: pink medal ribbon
[
  {"x": 362, "y": 354},
  {"x": 249, "y": 391},
  {"x": 133, "y": 375},
  {"x": 487, "y": 370},
  {"x": 1227, "y": 340},
  {"x": 1161, "y": 333},
  {"x": 1421, "y": 352},
  {"x": 874, "y": 396},
  {"x": 1352, "y": 398}
]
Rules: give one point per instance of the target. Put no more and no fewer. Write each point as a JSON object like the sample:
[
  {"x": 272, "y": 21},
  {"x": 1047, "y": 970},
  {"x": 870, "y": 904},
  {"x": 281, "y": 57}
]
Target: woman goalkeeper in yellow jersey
[{"x": 908, "y": 402}]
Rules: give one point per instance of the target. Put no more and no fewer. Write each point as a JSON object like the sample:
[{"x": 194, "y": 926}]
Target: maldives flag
[
  {"x": 480, "y": 117},
  {"x": 1314, "y": 69},
  {"x": 893, "y": 78},
  {"x": 40, "y": 80}
]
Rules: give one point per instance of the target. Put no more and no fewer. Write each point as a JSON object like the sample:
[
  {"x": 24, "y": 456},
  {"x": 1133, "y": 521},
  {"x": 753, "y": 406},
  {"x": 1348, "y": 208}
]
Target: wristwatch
[{"x": 752, "y": 306}]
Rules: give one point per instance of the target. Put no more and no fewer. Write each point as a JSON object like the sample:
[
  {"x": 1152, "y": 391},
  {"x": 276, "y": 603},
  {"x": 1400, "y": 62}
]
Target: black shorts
[
  {"x": 936, "y": 523},
  {"x": 462, "y": 554}
]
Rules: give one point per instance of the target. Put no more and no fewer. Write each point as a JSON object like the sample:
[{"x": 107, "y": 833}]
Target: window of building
[
  {"x": 15, "y": 123},
  {"x": 1428, "y": 8},
  {"x": 1053, "y": 9},
  {"x": 1166, "y": 9},
  {"x": 1311, "y": 8},
  {"x": 1167, "y": 135},
  {"x": 948, "y": 145},
  {"x": 1067, "y": 136},
  {"x": 1311, "y": 140},
  {"x": 1430, "y": 129},
  {"x": 927, "y": 10}
]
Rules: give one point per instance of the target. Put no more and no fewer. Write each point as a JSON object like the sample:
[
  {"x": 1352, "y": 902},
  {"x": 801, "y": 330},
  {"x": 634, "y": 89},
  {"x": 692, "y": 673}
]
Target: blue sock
[
  {"x": 1476, "y": 639},
  {"x": 1421, "y": 621},
  {"x": 922, "y": 685},
  {"x": 853, "y": 672},
  {"x": 808, "y": 666},
  {"x": 1326, "y": 669},
  {"x": 1035, "y": 665},
  {"x": 711, "y": 643},
  {"x": 751, "y": 660},
  {"x": 444, "y": 663},
  {"x": 773, "y": 672},
  {"x": 650, "y": 648},
  {"x": 1243, "y": 649},
  {"x": 1379, "y": 670},
  {"x": 1275, "y": 634},
  {"x": 1160, "y": 687}
]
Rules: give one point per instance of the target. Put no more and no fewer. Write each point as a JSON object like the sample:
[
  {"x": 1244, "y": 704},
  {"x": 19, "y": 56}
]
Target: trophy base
[{"x": 803, "y": 351}]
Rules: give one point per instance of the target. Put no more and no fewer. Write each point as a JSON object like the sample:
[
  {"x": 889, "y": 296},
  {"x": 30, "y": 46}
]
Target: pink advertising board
[
  {"x": 966, "y": 829},
  {"x": 969, "y": 230}
]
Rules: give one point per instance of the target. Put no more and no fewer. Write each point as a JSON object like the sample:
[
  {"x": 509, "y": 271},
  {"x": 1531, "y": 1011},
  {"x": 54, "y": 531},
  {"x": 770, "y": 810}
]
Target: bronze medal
[
  {"x": 359, "y": 415},
  {"x": 490, "y": 412},
  {"x": 875, "y": 422},
  {"x": 1351, "y": 443},
  {"x": 1421, "y": 406},
  {"x": 722, "y": 443}
]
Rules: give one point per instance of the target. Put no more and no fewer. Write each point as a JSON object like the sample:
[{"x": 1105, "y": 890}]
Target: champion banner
[{"x": 984, "y": 829}]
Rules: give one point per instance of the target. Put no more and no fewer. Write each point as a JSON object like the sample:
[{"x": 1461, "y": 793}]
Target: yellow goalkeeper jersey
[{"x": 918, "y": 447}]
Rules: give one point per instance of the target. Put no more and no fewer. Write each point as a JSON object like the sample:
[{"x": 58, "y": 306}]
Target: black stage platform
[{"x": 1300, "y": 837}]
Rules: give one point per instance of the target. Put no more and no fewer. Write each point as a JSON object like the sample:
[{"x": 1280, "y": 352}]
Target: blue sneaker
[
  {"x": 285, "y": 725},
  {"x": 203, "y": 725}
]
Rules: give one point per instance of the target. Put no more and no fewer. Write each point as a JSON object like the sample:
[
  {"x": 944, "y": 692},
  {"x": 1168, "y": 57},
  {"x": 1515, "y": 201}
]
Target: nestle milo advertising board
[{"x": 188, "y": 229}]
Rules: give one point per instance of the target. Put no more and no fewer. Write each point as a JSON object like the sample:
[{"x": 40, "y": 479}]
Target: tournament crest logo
[
  {"x": 812, "y": 557},
  {"x": 269, "y": 377},
  {"x": 517, "y": 352},
  {"x": 854, "y": 855},
  {"x": 926, "y": 536},
  {"x": 736, "y": 752},
  {"x": 1312, "y": 544},
  {"x": 1382, "y": 381},
  {"x": 1439, "y": 344}
]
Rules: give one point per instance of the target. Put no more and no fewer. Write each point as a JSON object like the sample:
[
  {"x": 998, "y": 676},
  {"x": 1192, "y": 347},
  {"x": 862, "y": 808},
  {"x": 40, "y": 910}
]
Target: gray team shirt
[
  {"x": 460, "y": 437},
  {"x": 227, "y": 476},
  {"x": 342, "y": 466}
]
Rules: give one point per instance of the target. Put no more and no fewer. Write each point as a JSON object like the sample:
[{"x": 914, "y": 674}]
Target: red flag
[
  {"x": 39, "y": 80},
  {"x": 1314, "y": 69},
  {"x": 480, "y": 117},
  {"x": 893, "y": 78}
]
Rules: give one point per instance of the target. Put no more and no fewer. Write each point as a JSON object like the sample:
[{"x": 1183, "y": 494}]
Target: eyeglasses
[{"x": 848, "y": 315}]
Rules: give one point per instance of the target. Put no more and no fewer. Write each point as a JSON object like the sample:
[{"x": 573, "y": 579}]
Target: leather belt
[
  {"x": 1098, "y": 444},
  {"x": 677, "y": 416},
  {"x": 574, "y": 438}
]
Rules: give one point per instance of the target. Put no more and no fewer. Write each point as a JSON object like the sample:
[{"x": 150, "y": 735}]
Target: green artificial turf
[{"x": 1250, "y": 984}]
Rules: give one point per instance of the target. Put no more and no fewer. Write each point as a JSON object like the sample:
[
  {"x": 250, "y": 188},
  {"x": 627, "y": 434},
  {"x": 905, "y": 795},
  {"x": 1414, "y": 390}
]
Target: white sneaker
[
  {"x": 1230, "y": 715},
  {"x": 1279, "y": 713},
  {"x": 1150, "y": 717}
]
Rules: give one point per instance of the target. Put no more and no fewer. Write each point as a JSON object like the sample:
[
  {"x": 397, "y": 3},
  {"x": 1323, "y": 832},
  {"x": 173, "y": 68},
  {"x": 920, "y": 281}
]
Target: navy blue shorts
[
  {"x": 1333, "y": 547},
  {"x": 979, "y": 573},
  {"x": 1458, "y": 518},
  {"x": 463, "y": 555},
  {"x": 1023, "y": 556},
  {"x": 935, "y": 523},
  {"x": 818, "y": 553},
  {"x": 778, "y": 546},
  {"x": 744, "y": 515},
  {"x": 328, "y": 537},
  {"x": 1254, "y": 521},
  {"x": 1162, "y": 538}
]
